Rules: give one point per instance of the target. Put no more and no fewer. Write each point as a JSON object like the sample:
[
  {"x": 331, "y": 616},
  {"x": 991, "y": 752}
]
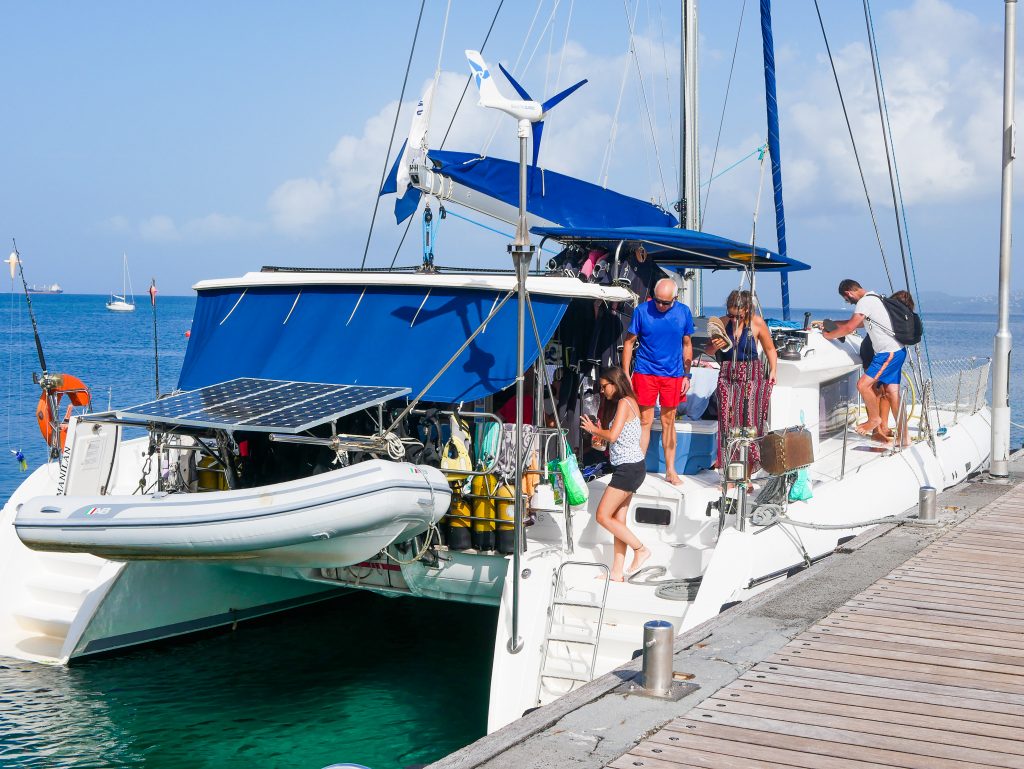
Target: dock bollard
[
  {"x": 926, "y": 506},
  {"x": 656, "y": 677}
]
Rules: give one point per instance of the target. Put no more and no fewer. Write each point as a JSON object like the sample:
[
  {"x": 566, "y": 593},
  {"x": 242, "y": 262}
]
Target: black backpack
[{"x": 906, "y": 324}]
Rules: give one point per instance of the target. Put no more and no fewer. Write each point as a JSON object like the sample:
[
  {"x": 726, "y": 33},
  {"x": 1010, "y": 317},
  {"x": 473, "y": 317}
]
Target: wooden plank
[
  {"x": 989, "y": 556},
  {"x": 718, "y": 749},
  {"x": 899, "y": 623},
  {"x": 884, "y": 723},
  {"x": 1004, "y": 676},
  {"x": 924, "y": 713},
  {"x": 997, "y": 574},
  {"x": 989, "y": 564},
  {"x": 897, "y": 673},
  {"x": 910, "y": 647},
  {"x": 1003, "y": 616},
  {"x": 639, "y": 757},
  {"x": 816, "y": 742},
  {"x": 976, "y": 586},
  {"x": 904, "y": 691},
  {"x": 966, "y": 575},
  {"x": 938, "y": 617},
  {"x": 921, "y": 641},
  {"x": 999, "y": 602}
]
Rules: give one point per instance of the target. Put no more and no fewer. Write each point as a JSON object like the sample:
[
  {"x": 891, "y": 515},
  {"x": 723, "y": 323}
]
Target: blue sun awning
[{"x": 671, "y": 246}]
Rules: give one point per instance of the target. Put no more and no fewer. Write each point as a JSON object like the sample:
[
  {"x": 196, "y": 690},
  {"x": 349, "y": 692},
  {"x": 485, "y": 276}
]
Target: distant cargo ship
[{"x": 52, "y": 288}]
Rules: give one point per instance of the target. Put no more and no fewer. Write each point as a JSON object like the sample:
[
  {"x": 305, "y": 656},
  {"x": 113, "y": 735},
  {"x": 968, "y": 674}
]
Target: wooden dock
[{"x": 923, "y": 669}]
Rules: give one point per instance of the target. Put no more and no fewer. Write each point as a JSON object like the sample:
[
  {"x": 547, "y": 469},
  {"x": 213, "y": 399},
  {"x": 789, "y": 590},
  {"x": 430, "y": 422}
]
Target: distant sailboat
[{"x": 121, "y": 302}]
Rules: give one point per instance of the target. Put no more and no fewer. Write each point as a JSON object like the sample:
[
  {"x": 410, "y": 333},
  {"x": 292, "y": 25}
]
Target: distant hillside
[{"x": 937, "y": 301}]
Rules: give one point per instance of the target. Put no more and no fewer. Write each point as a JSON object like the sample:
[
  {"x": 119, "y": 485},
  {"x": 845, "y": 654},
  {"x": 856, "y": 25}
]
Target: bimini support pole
[{"x": 1000, "y": 463}]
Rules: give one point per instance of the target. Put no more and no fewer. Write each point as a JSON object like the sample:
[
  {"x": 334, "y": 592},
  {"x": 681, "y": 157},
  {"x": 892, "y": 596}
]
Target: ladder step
[
  {"x": 578, "y": 604},
  {"x": 569, "y": 640},
  {"x": 565, "y": 677}
]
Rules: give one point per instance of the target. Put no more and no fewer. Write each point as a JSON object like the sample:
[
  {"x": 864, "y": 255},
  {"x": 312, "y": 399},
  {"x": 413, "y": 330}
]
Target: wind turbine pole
[
  {"x": 522, "y": 254},
  {"x": 1000, "y": 460}
]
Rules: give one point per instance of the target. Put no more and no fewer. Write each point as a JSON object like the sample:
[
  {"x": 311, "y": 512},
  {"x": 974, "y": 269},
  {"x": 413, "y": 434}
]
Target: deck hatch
[{"x": 263, "y": 405}]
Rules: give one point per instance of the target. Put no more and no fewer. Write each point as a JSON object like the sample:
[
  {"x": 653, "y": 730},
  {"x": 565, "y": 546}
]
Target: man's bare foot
[
  {"x": 674, "y": 479},
  {"x": 868, "y": 427},
  {"x": 639, "y": 559}
]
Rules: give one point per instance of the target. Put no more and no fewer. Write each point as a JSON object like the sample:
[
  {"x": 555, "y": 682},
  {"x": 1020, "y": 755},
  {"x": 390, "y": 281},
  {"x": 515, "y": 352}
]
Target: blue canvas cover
[
  {"x": 555, "y": 197},
  {"x": 674, "y": 246},
  {"x": 397, "y": 336}
]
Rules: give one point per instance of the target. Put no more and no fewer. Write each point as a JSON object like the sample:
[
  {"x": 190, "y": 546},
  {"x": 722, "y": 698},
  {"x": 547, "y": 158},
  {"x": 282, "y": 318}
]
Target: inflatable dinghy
[{"x": 337, "y": 518}]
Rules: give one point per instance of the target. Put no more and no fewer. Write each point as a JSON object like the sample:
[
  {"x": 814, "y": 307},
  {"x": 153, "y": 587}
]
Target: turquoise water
[{"x": 383, "y": 682}]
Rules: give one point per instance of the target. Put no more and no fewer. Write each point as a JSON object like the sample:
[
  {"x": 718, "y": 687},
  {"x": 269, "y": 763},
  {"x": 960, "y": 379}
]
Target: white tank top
[{"x": 625, "y": 449}]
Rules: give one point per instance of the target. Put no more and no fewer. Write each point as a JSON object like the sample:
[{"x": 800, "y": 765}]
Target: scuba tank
[
  {"x": 504, "y": 512},
  {"x": 458, "y": 523},
  {"x": 483, "y": 512}
]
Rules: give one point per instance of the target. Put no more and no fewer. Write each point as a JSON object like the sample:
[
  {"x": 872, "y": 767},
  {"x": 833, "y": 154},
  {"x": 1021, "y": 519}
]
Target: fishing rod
[{"x": 16, "y": 260}]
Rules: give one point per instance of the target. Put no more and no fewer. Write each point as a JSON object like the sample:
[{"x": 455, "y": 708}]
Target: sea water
[{"x": 387, "y": 683}]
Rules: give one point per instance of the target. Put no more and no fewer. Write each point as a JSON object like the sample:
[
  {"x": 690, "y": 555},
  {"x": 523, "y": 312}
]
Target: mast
[
  {"x": 689, "y": 174},
  {"x": 1000, "y": 460}
]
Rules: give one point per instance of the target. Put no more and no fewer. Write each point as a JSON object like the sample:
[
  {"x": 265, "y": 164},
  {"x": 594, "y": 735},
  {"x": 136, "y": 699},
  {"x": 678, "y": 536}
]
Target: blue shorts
[{"x": 886, "y": 367}]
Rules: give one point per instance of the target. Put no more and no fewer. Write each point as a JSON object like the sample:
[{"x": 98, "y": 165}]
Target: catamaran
[{"x": 308, "y": 395}]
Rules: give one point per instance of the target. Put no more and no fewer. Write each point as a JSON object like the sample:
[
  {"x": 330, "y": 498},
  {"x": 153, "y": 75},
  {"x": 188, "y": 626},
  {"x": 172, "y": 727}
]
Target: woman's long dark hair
[{"x": 617, "y": 377}]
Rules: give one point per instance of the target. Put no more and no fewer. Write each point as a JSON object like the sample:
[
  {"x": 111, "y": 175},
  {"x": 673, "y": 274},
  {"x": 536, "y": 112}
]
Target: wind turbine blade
[
  {"x": 559, "y": 96},
  {"x": 519, "y": 89},
  {"x": 538, "y": 130}
]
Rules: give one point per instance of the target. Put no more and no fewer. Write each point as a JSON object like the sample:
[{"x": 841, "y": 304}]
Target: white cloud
[{"x": 158, "y": 228}]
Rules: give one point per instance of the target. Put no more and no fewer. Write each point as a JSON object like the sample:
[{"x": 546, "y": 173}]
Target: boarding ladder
[{"x": 569, "y": 654}]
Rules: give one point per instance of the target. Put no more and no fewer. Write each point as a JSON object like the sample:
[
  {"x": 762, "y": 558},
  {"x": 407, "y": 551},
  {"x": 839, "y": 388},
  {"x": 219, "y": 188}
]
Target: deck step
[{"x": 46, "y": 619}]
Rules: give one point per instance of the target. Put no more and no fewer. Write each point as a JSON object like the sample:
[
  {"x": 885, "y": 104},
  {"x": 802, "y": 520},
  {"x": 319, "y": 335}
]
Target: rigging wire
[
  {"x": 899, "y": 189},
  {"x": 721, "y": 121},
  {"x": 885, "y": 138},
  {"x": 643, "y": 94},
  {"x": 394, "y": 126},
  {"x": 856, "y": 154},
  {"x": 668, "y": 94},
  {"x": 451, "y": 122},
  {"x": 565, "y": 44},
  {"x": 613, "y": 131}
]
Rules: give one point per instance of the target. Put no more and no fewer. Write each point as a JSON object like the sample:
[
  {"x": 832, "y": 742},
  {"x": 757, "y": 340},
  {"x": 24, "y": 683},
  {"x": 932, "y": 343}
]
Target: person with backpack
[{"x": 890, "y": 330}]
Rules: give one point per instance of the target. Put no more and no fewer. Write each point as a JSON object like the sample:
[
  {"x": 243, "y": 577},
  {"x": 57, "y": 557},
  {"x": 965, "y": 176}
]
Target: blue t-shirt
[{"x": 660, "y": 338}]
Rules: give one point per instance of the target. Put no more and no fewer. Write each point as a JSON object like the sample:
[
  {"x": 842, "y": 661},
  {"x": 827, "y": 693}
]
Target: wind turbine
[{"x": 527, "y": 112}]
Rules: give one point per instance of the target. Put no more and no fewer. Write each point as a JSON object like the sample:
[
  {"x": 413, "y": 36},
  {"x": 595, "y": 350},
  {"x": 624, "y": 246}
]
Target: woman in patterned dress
[
  {"x": 744, "y": 391},
  {"x": 628, "y": 463}
]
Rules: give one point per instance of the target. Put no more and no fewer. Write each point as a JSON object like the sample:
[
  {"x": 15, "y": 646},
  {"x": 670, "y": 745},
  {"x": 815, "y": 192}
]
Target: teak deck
[{"x": 923, "y": 669}]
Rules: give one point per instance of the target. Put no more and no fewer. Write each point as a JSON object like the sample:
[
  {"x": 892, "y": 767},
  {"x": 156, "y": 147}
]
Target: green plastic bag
[
  {"x": 572, "y": 478},
  {"x": 800, "y": 491}
]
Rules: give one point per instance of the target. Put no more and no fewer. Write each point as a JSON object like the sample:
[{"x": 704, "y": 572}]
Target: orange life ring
[{"x": 49, "y": 404}]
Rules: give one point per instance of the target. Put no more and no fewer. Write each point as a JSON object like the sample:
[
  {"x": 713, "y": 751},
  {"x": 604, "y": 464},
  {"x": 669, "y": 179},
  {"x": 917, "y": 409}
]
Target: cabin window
[{"x": 834, "y": 404}]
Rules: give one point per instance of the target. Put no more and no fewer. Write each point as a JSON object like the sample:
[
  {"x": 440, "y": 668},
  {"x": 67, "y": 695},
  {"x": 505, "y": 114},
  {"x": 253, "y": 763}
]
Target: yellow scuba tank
[
  {"x": 483, "y": 512},
  {"x": 210, "y": 475},
  {"x": 505, "y": 513},
  {"x": 458, "y": 523}
]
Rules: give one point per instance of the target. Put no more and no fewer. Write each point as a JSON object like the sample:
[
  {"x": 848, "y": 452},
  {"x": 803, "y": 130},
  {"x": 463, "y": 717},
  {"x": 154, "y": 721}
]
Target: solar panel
[{"x": 263, "y": 405}]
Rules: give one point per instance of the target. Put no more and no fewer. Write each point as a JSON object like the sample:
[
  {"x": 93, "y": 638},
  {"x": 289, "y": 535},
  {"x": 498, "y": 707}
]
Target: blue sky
[{"x": 208, "y": 139}]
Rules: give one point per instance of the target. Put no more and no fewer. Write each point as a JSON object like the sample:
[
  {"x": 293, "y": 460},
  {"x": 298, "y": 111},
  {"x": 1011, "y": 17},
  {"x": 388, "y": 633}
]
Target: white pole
[
  {"x": 688, "y": 148},
  {"x": 1000, "y": 466}
]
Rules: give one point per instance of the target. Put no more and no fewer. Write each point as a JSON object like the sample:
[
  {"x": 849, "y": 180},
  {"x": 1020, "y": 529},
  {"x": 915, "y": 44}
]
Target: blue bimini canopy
[
  {"x": 671, "y": 246},
  {"x": 358, "y": 329},
  {"x": 554, "y": 197}
]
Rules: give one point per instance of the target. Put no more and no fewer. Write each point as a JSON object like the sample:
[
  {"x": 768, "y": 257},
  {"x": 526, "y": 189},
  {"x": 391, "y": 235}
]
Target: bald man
[{"x": 660, "y": 334}]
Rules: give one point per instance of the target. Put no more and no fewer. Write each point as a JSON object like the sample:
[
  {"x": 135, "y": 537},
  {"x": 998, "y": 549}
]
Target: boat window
[{"x": 834, "y": 403}]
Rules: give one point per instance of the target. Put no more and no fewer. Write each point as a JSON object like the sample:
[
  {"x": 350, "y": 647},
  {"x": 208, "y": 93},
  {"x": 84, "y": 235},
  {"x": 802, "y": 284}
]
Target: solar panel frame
[{"x": 261, "y": 405}]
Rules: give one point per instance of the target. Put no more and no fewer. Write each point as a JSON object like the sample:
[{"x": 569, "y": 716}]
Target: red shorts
[{"x": 651, "y": 389}]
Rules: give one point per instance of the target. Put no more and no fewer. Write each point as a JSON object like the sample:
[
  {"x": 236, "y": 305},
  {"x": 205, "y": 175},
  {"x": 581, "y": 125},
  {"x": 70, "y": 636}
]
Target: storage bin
[{"x": 696, "y": 446}]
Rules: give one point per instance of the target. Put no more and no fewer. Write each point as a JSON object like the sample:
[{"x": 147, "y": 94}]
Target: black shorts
[{"x": 628, "y": 477}]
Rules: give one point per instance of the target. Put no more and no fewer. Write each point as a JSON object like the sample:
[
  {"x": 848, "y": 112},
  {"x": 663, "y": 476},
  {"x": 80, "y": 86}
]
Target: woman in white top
[{"x": 627, "y": 458}]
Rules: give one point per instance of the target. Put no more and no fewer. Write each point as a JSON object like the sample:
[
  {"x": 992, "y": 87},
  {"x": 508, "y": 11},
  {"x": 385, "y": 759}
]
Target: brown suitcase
[{"x": 785, "y": 450}]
